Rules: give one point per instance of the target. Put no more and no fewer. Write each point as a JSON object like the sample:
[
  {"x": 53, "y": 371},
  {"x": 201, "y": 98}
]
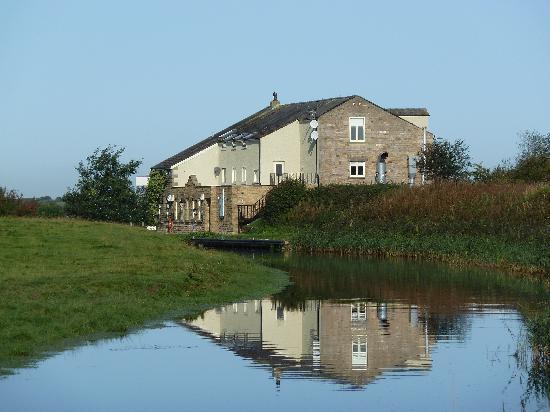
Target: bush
[
  {"x": 13, "y": 204},
  {"x": 50, "y": 209},
  {"x": 282, "y": 198},
  {"x": 535, "y": 168}
]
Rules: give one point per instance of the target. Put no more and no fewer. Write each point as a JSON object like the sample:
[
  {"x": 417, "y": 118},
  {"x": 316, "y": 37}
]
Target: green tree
[
  {"x": 443, "y": 160},
  {"x": 533, "y": 160},
  {"x": 104, "y": 190},
  {"x": 480, "y": 173},
  {"x": 153, "y": 193}
]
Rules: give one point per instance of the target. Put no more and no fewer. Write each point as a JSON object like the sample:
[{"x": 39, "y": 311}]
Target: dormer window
[{"x": 356, "y": 129}]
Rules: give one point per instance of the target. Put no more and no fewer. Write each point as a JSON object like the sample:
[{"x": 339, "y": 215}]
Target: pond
[{"x": 347, "y": 334}]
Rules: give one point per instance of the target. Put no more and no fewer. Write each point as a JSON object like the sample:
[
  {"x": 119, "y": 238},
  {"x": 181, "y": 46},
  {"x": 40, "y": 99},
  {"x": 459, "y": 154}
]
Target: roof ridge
[{"x": 321, "y": 100}]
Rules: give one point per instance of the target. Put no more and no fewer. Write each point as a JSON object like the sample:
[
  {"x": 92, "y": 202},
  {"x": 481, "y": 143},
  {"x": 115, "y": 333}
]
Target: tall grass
[
  {"x": 516, "y": 211},
  {"x": 497, "y": 224}
]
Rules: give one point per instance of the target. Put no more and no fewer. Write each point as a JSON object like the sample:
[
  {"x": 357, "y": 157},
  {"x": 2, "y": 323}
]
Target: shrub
[
  {"x": 12, "y": 203},
  {"x": 50, "y": 209},
  {"x": 535, "y": 168},
  {"x": 282, "y": 199}
]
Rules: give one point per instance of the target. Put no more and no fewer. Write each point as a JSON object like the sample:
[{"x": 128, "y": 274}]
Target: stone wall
[
  {"x": 197, "y": 208},
  {"x": 234, "y": 196},
  {"x": 384, "y": 132}
]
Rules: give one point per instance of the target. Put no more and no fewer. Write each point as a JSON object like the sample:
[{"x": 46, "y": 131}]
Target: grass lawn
[{"x": 66, "y": 281}]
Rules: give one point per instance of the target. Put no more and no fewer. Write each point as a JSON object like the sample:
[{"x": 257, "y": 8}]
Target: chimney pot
[{"x": 274, "y": 103}]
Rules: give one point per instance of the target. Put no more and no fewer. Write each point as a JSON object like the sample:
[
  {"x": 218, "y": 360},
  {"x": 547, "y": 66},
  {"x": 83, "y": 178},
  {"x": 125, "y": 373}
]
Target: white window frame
[
  {"x": 356, "y": 164},
  {"x": 243, "y": 175},
  {"x": 358, "y": 311},
  {"x": 224, "y": 175},
  {"x": 356, "y": 122},
  {"x": 359, "y": 353},
  {"x": 282, "y": 163},
  {"x": 255, "y": 176},
  {"x": 233, "y": 175}
]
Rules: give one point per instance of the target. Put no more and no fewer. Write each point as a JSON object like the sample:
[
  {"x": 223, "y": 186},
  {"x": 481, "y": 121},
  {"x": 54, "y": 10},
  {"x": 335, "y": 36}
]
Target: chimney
[{"x": 274, "y": 103}]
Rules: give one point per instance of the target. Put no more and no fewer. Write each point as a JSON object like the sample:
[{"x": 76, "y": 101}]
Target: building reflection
[{"x": 352, "y": 342}]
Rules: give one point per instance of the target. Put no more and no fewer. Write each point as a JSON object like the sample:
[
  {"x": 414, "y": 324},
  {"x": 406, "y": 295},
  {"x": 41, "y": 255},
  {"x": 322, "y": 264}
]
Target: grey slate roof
[
  {"x": 411, "y": 111},
  {"x": 260, "y": 124}
]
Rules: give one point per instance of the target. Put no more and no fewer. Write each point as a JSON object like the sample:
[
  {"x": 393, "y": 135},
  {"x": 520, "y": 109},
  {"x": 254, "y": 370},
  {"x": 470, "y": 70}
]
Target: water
[{"x": 348, "y": 334}]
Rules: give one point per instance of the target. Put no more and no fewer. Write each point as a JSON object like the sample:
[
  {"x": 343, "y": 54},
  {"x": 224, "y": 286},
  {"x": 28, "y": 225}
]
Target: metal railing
[
  {"x": 247, "y": 213},
  {"x": 307, "y": 178}
]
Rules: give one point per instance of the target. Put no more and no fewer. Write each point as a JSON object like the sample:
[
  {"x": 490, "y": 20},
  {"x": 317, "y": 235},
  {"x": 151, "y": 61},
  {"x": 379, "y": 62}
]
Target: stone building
[
  {"x": 350, "y": 342},
  {"x": 220, "y": 182}
]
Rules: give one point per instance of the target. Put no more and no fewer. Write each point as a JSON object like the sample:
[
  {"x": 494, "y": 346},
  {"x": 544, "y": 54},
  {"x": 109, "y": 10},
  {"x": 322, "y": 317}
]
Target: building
[
  {"x": 344, "y": 140},
  {"x": 353, "y": 342}
]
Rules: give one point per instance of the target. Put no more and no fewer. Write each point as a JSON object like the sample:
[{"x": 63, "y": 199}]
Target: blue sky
[{"x": 157, "y": 76}]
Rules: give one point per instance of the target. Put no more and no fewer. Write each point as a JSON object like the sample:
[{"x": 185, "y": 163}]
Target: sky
[{"x": 157, "y": 76}]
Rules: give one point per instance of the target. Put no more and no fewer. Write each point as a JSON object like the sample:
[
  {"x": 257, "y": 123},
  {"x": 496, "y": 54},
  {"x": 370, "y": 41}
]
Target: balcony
[{"x": 307, "y": 178}]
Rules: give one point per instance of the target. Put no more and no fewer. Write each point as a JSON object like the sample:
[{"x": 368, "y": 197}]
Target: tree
[
  {"x": 533, "y": 161},
  {"x": 443, "y": 160},
  {"x": 533, "y": 144},
  {"x": 480, "y": 173},
  {"x": 104, "y": 190},
  {"x": 153, "y": 193}
]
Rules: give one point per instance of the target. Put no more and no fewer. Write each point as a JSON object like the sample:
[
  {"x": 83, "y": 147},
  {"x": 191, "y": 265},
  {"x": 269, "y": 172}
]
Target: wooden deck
[{"x": 251, "y": 244}]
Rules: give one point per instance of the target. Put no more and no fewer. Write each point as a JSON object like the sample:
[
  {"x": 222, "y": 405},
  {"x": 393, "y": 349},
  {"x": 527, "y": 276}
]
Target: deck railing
[
  {"x": 247, "y": 213},
  {"x": 307, "y": 178}
]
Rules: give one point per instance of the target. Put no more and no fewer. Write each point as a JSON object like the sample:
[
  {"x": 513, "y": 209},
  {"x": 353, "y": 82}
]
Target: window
[
  {"x": 356, "y": 169},
  {"x": 224, "y": 177},
  {"x": 279, "y": 168},
  {"x": 243, "y": 175},
  {"x": 234, "y": 175},
  {"x": 358, "y": 311},
  {"x": 255, "y": 177},
  {"x": 359, "y": 355},
  {"x": 356, "y": 129}
]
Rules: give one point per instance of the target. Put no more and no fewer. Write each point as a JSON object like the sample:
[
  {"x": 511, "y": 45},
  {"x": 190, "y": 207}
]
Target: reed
[{"x": 494, "y": 224}]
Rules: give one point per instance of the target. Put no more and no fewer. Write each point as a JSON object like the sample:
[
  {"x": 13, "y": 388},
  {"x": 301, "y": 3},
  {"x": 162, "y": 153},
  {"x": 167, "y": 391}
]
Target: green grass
[{"x": 66, "y": 281}]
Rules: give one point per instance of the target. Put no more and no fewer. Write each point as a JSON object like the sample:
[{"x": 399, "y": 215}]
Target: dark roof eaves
[{"x": 409, "y": 111}]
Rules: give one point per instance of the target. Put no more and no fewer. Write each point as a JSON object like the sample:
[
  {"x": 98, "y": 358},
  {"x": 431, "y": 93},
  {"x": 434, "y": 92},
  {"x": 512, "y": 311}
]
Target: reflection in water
[
  {"x": 401, "y": 335},
  {"x": 349, "y": 341},
  {"x": 354, "y": 321}
]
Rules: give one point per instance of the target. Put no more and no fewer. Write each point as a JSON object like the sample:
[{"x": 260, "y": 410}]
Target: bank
[
  {"x": 503, "y": 226},
  {"x": 64, "y": 282}
]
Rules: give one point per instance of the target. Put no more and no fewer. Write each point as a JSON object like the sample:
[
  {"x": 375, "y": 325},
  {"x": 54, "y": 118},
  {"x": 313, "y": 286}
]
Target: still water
[{"x": 348, "y": 334}]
